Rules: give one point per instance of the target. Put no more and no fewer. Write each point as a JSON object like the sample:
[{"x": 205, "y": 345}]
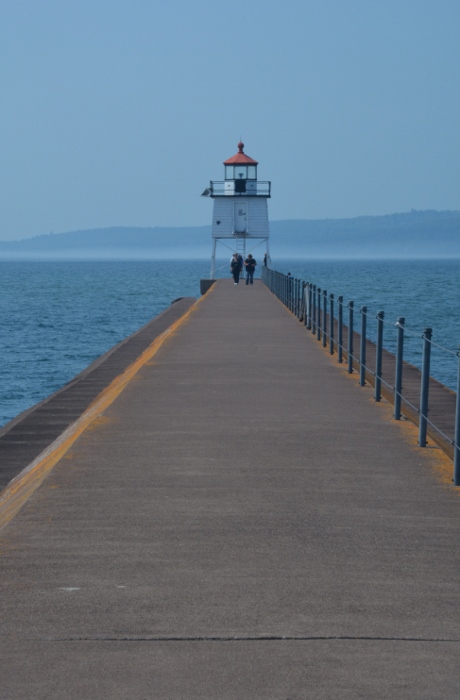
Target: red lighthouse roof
[{"x": 240, "y": 158}]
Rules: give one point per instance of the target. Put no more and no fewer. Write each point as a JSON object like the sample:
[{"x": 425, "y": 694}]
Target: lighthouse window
[
  {"x": 241, "y": 172},
  {"x": 252, "y": 175},
  {"x": 229, "y": 172}
]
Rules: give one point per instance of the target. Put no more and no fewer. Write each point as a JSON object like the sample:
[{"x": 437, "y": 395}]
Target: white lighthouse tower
[{"x": 240, "y": 212}]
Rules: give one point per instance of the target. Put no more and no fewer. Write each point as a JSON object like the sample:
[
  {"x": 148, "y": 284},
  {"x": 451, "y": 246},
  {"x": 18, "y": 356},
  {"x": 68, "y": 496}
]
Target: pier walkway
[{"x": 241, "y": 521}]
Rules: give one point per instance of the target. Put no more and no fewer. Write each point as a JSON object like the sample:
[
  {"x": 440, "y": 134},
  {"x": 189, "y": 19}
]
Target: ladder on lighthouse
[{"x": 240, "y": 247}]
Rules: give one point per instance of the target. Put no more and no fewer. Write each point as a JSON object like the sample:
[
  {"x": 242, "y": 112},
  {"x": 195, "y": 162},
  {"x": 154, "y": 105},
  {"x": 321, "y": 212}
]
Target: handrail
[
  {"x": 251, "y": 188},
  {"x": 309, "y": 304}
]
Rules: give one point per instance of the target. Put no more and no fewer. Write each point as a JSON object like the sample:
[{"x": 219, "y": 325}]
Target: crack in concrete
[{"x": 261, "y": 638}]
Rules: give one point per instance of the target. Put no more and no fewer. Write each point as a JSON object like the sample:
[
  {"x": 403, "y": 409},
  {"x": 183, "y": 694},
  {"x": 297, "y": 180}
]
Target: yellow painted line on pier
[{"x": 19, "y": 490}]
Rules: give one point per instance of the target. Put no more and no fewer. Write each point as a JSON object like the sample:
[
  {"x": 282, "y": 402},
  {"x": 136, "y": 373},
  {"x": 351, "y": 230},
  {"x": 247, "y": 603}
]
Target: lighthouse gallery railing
[{"x": 254, "y": 188}]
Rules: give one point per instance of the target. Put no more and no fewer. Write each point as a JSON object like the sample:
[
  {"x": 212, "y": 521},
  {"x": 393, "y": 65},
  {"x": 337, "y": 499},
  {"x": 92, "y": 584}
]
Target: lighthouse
[{"x": 240, "y": 212}]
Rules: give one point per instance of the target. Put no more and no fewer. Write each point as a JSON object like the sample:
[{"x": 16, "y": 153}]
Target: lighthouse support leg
[
  {"x": 213, "y": 260},
  {"x": 268, "y": 252}
]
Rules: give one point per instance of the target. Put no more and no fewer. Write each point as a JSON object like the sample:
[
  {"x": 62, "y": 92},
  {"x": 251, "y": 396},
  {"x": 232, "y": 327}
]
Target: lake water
[
  {"x": 57, "y": 317},
  {"x": 424, "y": 292}
]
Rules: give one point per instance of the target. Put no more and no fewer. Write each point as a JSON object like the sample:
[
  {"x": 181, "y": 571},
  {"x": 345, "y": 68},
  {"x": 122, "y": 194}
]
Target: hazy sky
[{"x": 117, "y": 112}]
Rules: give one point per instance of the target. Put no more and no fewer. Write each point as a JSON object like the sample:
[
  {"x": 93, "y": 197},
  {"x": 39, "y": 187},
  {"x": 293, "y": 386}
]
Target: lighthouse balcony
[{"x": 239, "y": 188}]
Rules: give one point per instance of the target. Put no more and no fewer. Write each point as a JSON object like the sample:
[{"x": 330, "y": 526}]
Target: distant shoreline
[
  {"x": 222, "y": 261},
  {"x": 431, "y": 234}
]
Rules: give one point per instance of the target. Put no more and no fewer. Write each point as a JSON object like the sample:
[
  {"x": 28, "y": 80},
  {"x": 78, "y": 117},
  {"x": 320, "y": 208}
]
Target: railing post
[
  {"x": 378, "y": 357},
  {"x": 303, "y": 304},
  {"x": 350, "y": 336},
  {"x": 331, "y": 324},
  {"x": 340, "y": 330},
  {"x": 309, "y": 308},
  {"x": 313, "y": 325},
  {"x": 362, "y": 349},
  {"x": 424, "y": 387},
  {"x": 399, "y": 367},
  {"x": 457, "y": 428},
  {"x": 318, "y": 304},
  {"x": 324, "y": 317}
]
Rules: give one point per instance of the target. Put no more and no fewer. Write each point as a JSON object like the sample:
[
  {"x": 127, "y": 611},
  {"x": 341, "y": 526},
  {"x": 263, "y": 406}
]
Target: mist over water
[{"x": 57, "y": 317}]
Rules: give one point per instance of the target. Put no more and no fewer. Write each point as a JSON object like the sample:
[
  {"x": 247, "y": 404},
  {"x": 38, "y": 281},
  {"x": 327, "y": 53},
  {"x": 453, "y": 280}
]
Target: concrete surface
[
  {"x": 27, "y": 435},
  {"x": 442, "y": 401},
  {"x": 242, "y": 522},
  {"x": 205, "y": 285}
]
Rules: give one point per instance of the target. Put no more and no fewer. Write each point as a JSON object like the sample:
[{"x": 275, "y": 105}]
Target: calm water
[
  {"x": 57, "y": 317},
  {"x": 426, "y": 293}
]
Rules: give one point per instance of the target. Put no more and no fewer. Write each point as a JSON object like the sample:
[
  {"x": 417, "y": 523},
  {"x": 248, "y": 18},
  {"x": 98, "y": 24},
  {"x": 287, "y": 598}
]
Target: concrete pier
[
  {"x": 24, "y": 438},
  {"x": 236, "y": 518}
]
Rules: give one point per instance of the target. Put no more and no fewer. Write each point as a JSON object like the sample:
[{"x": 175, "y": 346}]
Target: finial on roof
[{"x": 240, "y": 147}]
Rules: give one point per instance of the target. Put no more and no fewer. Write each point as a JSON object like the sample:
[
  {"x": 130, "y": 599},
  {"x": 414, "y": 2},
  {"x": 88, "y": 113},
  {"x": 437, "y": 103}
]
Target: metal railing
[
  {"x": 250, "y": 188},
  {"x": 323, "y": 315}
]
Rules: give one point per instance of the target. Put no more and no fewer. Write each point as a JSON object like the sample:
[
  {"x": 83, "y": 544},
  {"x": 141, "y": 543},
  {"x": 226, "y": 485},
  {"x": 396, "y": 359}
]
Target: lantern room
[{"x": 239, "y": 169}]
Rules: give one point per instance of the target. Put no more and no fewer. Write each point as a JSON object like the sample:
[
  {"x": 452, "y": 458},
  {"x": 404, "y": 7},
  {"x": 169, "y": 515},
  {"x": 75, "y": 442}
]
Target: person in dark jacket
[
  {"x": 235, "y": 268},
  {"x": 250, "y": 265}
]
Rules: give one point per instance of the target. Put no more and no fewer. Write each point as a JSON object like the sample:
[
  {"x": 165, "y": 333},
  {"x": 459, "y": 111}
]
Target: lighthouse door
[{"x": 240, "y": 217}]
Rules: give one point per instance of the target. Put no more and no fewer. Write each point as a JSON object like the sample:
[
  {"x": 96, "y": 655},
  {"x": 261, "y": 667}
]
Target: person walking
[
  {"x": 235, "y": 268},
  {"x": 250, "y": 265}
]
